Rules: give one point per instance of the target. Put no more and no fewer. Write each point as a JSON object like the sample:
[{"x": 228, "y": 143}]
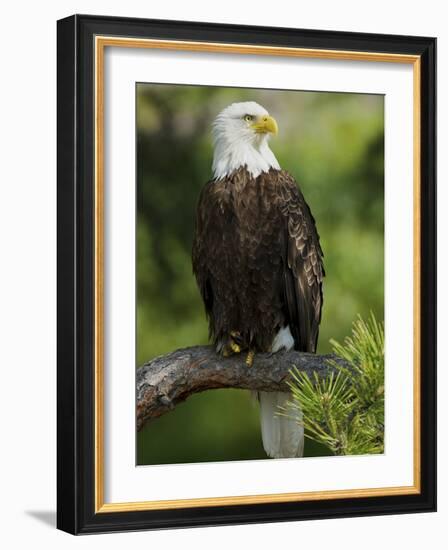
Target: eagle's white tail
[{"x": 283, "y": 436}]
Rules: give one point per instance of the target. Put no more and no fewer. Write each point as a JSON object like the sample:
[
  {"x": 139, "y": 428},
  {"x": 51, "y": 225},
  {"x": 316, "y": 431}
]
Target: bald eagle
[{"x": 257, "y": 258}]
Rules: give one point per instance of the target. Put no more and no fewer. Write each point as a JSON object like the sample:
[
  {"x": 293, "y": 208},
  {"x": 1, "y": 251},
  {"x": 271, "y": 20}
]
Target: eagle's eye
[{"x": 248, "y": 118}]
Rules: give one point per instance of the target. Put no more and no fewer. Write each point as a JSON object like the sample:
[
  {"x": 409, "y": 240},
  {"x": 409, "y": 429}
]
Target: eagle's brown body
[{"x": 257, "y": 260}]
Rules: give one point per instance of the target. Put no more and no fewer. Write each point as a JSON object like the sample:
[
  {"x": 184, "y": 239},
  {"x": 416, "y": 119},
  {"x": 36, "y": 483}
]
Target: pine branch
[
  {"x": 164, "y": 382},
  {"x": 345, "y": 411}
]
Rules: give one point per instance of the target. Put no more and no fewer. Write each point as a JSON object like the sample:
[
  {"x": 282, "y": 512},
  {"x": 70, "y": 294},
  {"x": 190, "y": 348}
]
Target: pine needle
[{"x": 345, "y": 412}]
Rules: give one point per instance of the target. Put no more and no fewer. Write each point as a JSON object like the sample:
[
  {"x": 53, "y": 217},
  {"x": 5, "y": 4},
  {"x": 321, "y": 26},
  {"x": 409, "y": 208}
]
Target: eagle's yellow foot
[
  {"x": 235, "y": 347},
  {"x": 235, "y": 336},
  {"x": 234, "y": 344},
  {"x": 250, "y": 358}
]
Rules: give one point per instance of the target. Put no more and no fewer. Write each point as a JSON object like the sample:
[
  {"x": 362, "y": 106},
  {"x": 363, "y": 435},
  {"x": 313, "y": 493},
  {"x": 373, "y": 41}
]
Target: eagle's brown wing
[
  {"x": 199, "y": 251},
  {"x": 303, "y": 265},
  {"x": 210, "y": 254}
]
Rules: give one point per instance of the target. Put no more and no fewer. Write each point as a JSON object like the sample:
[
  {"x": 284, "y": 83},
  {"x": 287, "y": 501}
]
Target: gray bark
[{"x": 165, "y": 381}]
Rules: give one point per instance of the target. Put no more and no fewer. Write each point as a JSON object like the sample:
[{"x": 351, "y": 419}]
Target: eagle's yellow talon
[
  {"x": 235, "y": 347},
  {"x": 250, "y": 358}
]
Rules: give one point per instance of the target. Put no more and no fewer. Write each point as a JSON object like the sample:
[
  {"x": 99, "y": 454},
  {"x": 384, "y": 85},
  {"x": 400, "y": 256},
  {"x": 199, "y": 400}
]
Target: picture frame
[{"x": 82, "y": 43}]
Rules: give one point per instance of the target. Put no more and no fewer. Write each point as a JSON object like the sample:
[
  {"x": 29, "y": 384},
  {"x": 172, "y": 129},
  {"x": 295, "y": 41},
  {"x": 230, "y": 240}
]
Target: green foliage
[
  {"x": 345, "y": 412},
  {"x": 333, "y": 145}
]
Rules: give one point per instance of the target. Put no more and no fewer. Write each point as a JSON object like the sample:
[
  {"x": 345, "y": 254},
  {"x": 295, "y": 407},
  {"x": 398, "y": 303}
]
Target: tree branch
[{"x": 165, "y": 381}]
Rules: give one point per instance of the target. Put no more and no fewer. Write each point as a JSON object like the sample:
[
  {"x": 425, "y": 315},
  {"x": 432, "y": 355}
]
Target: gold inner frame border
[{"x": 101, "y": 42}]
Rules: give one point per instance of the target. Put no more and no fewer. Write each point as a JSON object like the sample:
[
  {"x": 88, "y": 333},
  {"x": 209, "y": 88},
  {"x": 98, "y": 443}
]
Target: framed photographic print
[{"x": 246, "y": 274}]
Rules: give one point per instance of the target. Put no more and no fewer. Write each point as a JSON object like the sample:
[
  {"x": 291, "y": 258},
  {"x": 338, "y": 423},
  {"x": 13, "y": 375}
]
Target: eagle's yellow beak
[{"x": 266, "y": 124}]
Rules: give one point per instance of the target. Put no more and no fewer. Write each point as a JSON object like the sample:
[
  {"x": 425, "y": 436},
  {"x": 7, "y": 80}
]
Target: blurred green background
[{"x": 333, "y": 144}]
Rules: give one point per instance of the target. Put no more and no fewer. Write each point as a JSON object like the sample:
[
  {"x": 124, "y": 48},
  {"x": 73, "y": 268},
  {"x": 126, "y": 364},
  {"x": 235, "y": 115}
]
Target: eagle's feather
[{"x": 257, "y": 260}]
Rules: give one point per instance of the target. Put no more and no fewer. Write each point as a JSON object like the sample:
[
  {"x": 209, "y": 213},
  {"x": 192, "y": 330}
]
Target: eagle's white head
[{"x": 240, "y": 137}]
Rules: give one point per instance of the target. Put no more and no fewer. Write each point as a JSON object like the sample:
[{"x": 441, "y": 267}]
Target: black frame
[{"x": 75, "y": 172}]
